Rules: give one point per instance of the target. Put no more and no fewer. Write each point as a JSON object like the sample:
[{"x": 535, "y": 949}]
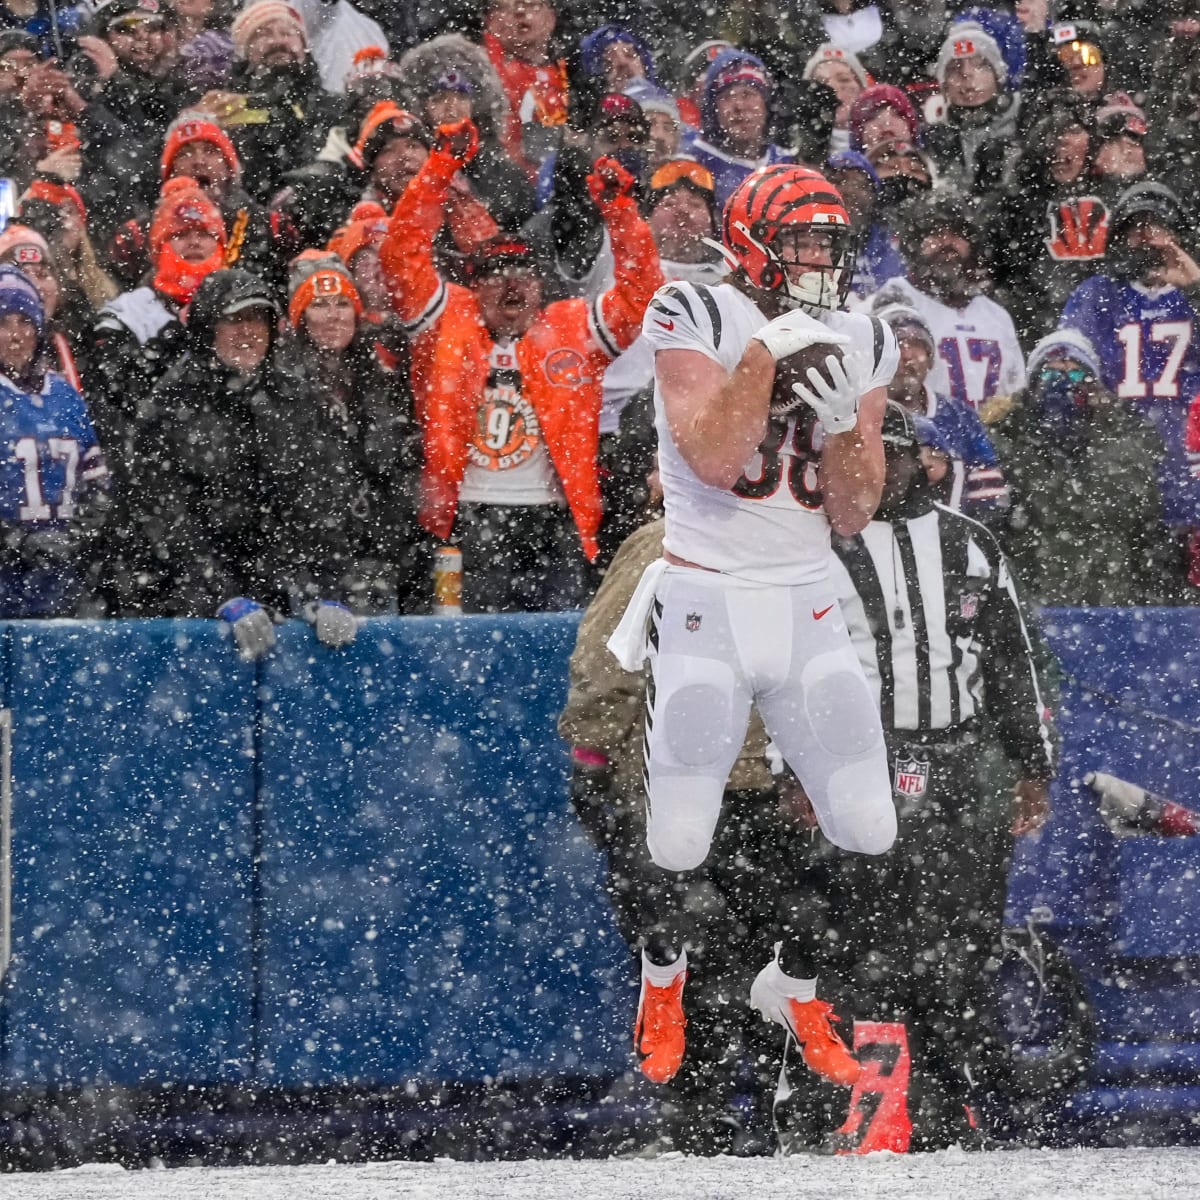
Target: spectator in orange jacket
[{"x": 508, "y": 391}]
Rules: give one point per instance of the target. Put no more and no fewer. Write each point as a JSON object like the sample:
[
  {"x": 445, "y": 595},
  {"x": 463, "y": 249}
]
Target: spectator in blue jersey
[
  {"x": 1141, "y": 316},
  {"x": 879, "y": 258},
  {"x": 53, "y": 481},
  {"x": 736, "y": 111},
  {"x": 975, "y": 482}
]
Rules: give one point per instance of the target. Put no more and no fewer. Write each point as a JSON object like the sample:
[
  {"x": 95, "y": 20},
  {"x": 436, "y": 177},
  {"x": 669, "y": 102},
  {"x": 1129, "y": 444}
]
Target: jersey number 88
[{"x": 800, "y": 466}]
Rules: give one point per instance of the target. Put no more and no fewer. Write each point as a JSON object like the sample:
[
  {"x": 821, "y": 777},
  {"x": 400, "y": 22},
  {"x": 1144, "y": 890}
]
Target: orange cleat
[
  {"x": 825, "y": 1054},
  {"x": 658, "y": 1033},
  {"x": 810, "y": 1022}
]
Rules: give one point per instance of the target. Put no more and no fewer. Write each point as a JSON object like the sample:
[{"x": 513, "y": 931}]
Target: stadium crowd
[{"x": 291, "y": 296}]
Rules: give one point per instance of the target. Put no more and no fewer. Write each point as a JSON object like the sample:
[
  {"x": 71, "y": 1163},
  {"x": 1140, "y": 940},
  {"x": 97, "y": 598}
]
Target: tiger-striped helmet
[{"x": 771, "y": 199}]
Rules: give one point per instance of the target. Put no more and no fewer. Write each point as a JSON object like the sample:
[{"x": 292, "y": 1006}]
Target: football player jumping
[{"x": 759, "y": 459}]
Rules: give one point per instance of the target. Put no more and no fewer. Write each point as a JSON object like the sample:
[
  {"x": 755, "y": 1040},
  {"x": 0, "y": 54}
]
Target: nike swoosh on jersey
[
  {"x": 667, "y": 325},
  {"x": 818, "y": 615}
]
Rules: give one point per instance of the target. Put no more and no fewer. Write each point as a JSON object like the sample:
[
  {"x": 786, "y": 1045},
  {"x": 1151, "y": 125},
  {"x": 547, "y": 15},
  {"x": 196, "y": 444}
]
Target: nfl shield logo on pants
[
  {"x": 912, "y": 777},
  {"x": 692, "y": 622}
]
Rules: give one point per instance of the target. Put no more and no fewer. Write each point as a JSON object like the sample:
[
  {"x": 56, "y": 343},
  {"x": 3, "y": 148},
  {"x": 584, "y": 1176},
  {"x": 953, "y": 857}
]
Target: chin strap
[{"x": 723, "y": 251}]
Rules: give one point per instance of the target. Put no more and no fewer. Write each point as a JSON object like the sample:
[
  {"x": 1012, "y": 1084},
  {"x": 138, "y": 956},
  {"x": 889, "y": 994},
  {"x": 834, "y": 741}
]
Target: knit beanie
[
  {"x": 205, "y": 60},
  {"x": 317, "y": 273},
  {"x": 19, "y": 295},
  {"x": 652, "y": 99},
  {"x": 593, "y": 46},
  {"x": 257, "y": 14},
  {"x": 831, "y": 53},
  {"x": 872, "y": 101},
  {"x": 57, "y": 194},
  {"x": 743, "y": 68},
  {"x": 22, "y": 245},
  {"x": 701, "y": 57},
  {"x": 498, "y": 253},
  {"x": 1120, "y": 116},
  {"x": 385, "y": 121},
  {"x": 969, "y": 39},
  {"x": 17, "y": 39},
  {"x": 1065, "y": 343},
  {"x": 184, "y": 206},
  {"x": 191, "y": 126},
  {"x": 852, "y": 160},
  {"x": 369, "y": 64},
  {"x": 903, "y": 316}
]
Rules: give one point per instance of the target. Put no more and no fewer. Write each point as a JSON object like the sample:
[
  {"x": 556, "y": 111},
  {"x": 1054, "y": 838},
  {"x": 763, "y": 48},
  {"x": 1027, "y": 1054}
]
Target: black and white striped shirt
[{"x": 939, "y": 628}]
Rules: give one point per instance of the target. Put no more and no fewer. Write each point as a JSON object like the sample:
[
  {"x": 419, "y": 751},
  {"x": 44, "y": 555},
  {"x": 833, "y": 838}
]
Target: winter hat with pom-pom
[{"x": 256, "y": 15}]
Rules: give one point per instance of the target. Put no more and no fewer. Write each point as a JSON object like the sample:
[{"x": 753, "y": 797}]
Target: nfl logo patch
[
  {"x": 968, "y": 606},
  {"x": 912, "y": 777},
  {"x": 692, "y": 622}
]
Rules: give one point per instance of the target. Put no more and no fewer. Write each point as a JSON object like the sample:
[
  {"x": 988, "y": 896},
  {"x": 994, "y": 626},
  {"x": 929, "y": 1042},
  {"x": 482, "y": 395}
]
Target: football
[{"x": 794, "y": 369}]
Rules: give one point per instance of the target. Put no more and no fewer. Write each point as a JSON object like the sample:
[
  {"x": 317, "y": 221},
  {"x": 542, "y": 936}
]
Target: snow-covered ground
[{"x": 952, "y": 1175}]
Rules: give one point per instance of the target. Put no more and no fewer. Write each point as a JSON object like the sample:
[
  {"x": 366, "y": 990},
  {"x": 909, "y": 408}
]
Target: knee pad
[
  {"x": 861, "y": 812},
  {"x": 840, "y": 708},
  {"x": 678, "y": 847},
  {"x": 681, "y": 818},
  {"x": 696, "y": 711}
]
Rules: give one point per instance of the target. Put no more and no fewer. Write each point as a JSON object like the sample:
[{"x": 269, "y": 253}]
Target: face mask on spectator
[{"x": 184, "y": 208}]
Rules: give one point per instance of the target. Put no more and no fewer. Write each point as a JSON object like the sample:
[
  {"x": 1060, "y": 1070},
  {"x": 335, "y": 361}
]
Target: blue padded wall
[
  {"x": 1131, "y": 707},
  {"x": 430, "y": 906},
  {"x": 362, "y": 865},
  {"x": 133, "y": 764}
]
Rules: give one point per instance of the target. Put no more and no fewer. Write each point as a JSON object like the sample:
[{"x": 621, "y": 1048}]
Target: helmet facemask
[{"x": 827, "y": 248}]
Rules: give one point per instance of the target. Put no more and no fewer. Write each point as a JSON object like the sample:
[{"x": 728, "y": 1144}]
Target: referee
[{"x": 939, "y": 628}]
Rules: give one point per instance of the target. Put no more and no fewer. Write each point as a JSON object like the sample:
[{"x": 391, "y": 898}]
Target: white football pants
[{"x": 717, "y": 645}]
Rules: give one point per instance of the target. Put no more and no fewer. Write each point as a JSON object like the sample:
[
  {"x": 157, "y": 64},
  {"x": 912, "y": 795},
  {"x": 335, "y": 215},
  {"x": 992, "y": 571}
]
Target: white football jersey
[
  {"x": 978, "y": 353},
  {"x": 771, "y": 526}
]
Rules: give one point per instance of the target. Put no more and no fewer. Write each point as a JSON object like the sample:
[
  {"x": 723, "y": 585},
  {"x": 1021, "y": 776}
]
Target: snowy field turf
[{"x": 953, "y": 1175}]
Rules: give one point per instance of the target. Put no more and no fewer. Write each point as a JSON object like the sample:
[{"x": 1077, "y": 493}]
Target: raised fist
[
  {"x": 460, "y": 140},
  {"x": 609, "y": 181}
]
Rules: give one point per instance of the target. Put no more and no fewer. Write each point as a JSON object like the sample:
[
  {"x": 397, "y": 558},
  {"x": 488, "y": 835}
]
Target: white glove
[
  {"x": 796, "y": 330},
  {"x": 835, "y": 401},
  {"x": 1124, "y": 799},
  {"x": 253, "y": 629},
  {"x": 335, "y": 624}
]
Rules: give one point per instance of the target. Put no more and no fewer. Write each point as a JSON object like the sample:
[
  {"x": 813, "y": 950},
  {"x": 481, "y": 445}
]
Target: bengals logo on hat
[
  {"x": 965, "y": 48},
  {"x": 327, "y": 283}
]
